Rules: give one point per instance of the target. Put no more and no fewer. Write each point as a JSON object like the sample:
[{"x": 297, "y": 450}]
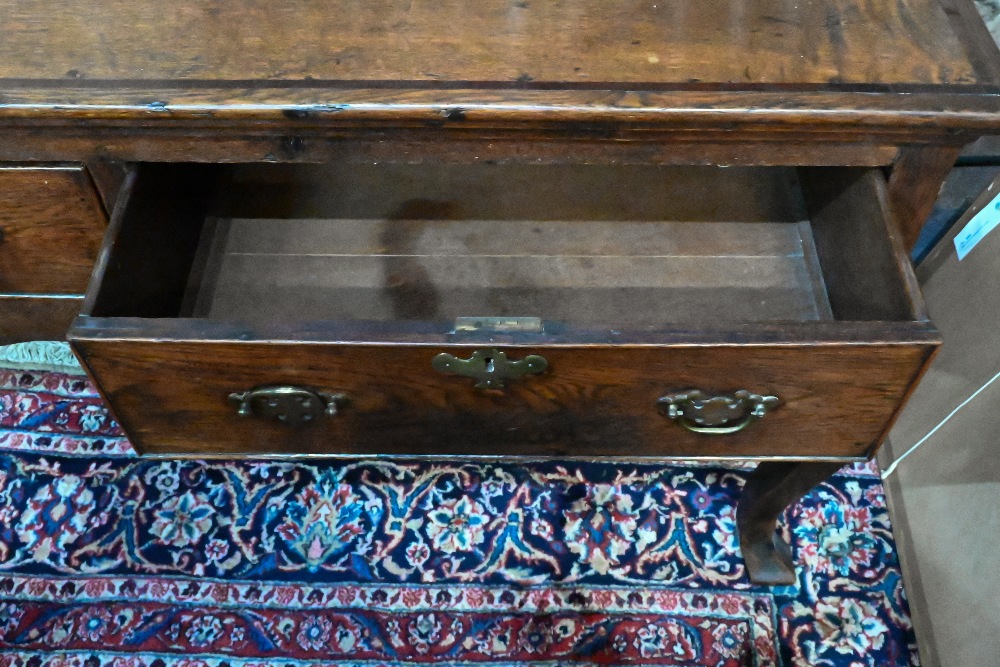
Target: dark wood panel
[
  {"x": 502, "y": 42},
  {"x": 51, "y": 228},
  {"x": 866, "y": 268},
  {"x": 109, "y": 176},
  {"x": 431, "y": 146},
  {"x": 172, "y": 398},
  {"x": 916, "y": 181},
  {"x": 427, "y": 146},
  {"x": 914, "y": 185},
  {"x": 25, "y": 318},
  {"x": 510, "y": 191}
]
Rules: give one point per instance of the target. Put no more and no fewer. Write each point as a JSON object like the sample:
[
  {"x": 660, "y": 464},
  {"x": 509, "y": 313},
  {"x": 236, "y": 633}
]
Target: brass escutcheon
[{"x": 489, "y": 367}]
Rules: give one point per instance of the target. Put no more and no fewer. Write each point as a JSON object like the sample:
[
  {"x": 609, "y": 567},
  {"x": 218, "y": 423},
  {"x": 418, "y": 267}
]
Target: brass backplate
[{"x": 489, "y": 367}]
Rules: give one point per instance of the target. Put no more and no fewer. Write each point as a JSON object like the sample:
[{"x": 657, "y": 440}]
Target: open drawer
[{"x": 504, "y": 309}]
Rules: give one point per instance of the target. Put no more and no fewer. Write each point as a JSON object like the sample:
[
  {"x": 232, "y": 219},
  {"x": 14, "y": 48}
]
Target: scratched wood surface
[
  {"x": 926, "y": 65},
  {"x": 488, "y": 41}
]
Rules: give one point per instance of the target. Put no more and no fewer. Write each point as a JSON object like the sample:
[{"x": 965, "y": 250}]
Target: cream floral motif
[
  {"x": 184, "y": 520},
  {"x": 457, "y": 525}
]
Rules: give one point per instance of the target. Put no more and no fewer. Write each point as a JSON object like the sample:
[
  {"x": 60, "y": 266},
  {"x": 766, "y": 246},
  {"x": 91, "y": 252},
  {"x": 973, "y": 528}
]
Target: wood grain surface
[
  {"x": 172, "y": 397},
  {"x": 866, "y": 268},
  {"x": 51, "y": 228},
  {"x": 24, "y": 318},
  {"x": 767, "y": 64},
  {"x": 589, "y": 244},
  {"x": 630, "y": 288},
  {"x": 841, "y": 382},
  {"x": 493, "y": 42},
  {"x": 915, "y": 184}
]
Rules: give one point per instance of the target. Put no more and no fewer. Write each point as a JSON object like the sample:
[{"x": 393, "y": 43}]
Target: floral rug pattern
[{"x": 107, "y": 559}]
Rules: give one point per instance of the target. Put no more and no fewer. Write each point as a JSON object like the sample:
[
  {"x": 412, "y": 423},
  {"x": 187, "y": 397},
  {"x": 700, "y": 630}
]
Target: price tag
[{"x": 979, "y": 226}]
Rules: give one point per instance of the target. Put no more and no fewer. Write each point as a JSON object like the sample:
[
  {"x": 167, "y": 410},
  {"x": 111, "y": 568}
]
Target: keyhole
[{"x": 489, "y": 364}]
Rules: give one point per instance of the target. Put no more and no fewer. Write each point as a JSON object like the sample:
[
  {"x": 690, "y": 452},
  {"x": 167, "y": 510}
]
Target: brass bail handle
[
  {"x": 489, "y": 367},
  {"x": 295, "y": 406},
  {"x": 707, "y": 414}
]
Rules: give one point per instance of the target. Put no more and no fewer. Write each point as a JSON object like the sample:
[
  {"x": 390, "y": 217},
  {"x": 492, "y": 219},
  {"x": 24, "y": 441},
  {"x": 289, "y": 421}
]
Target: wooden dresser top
[{"x": 253, "y": 58}]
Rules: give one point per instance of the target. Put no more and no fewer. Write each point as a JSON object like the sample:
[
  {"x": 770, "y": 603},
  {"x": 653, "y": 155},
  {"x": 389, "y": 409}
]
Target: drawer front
[
  {"x": 173, "y": 398},
  {"x": 51, "y": 228},
  {"x": 36, "y": 317}
]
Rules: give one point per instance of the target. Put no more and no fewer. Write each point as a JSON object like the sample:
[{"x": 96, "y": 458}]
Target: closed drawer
[
  {"x": 392, "y": 291},
  {"x": 51, "y": 228}
]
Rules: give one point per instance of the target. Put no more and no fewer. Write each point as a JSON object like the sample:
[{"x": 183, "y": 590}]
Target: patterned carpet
[{"x": 106, "y": 559}]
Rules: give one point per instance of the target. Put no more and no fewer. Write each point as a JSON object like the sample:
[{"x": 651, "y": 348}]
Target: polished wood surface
[
  {"x": 500, "y": 42},
  {"x": 594, "y": 400},
  {"x": 51, "y": 229},
  {"x": 915, "y": 183},
  {"x": 840, "y": 381},
  {"x": 291, "y": 119},
  {"x": 24, "y": 318},
  {"x": 460, "y": 64}
]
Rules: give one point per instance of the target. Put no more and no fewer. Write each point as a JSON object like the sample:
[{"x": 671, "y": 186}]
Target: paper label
[{"x": 982, "y": 223}]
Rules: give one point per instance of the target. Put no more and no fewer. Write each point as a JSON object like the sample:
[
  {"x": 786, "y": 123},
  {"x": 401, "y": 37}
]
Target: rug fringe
[{"x": 40, "y": 355}]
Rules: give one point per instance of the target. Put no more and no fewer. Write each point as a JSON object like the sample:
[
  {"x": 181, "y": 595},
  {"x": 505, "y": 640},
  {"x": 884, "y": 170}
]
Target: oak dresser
[{"x": 561, "y": 228}]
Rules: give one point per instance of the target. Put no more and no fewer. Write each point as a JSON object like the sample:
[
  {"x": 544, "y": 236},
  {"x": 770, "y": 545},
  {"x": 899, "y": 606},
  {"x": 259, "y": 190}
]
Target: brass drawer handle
[
  {"x": 700, "y": 412},
  {"x": 290, "y": 405},
  {"x": 490, "y": 367}
]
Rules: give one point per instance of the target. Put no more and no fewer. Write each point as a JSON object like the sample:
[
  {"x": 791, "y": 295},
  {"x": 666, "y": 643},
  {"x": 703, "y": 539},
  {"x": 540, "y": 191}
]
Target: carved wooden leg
[{"x": 769, "y": 490}]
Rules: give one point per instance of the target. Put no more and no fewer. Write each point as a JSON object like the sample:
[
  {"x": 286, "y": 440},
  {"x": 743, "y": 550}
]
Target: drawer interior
[{"x": 564, "y": 246}]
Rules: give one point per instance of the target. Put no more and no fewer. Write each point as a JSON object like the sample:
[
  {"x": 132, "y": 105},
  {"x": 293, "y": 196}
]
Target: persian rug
[{"x": 108, "y": 559}]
